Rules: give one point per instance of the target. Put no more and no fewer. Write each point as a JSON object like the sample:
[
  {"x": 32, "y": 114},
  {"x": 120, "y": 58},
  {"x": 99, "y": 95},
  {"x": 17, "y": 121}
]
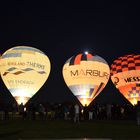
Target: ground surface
[{"x": 25, "y": 129}]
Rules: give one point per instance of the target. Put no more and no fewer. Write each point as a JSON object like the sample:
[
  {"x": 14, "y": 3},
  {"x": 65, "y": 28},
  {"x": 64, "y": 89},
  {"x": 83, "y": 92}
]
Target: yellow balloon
[
  {"x": 86, "y": 75},
  {"x": 24, "y": 70}
]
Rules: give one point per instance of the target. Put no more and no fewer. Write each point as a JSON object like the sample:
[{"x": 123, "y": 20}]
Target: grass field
[{"x": 20, "y": 129}]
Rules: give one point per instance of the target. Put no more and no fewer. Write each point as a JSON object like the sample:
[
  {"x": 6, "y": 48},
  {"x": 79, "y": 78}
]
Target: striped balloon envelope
[
  {"x": 125, "y": 74},
  {"x": 24, "y": 70},
  {"x": 86, "y": 75}
]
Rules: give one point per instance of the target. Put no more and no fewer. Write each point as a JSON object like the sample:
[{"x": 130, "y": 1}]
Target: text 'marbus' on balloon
[{"x": 86, "y": 75}]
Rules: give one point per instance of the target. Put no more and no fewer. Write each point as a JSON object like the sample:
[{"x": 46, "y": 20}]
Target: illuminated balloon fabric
[
  {"x": 24, "y": 70},
  {"x": 86, "y": 75},
  {"x": 125, "y": 74}
]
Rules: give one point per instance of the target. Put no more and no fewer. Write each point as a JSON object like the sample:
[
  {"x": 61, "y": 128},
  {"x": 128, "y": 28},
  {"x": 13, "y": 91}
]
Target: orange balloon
[{"x": 125, "y": 74}]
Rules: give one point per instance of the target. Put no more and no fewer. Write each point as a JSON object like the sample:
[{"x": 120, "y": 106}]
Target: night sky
[{"x": 62, "y": 29}]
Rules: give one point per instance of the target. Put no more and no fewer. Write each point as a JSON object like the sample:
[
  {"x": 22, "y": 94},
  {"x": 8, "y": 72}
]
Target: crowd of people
[{"x": 67, "y": 111}]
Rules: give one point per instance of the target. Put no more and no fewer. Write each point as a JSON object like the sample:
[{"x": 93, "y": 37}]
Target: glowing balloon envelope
[
  {"x": 24, "y": 70},
  {"x": 125, "y": 74},
  {"x": 86, "y": 75}
]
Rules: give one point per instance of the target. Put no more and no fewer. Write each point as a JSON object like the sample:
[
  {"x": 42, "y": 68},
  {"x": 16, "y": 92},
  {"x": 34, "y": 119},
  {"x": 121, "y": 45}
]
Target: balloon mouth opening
[
  {"x": 133, "y": 101},
  {"x": 85, "y": 101},
  {"x": 21, "y": 99}
]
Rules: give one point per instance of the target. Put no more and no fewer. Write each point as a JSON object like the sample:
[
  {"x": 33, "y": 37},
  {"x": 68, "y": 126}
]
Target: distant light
[{"x": 86, "y": 52}]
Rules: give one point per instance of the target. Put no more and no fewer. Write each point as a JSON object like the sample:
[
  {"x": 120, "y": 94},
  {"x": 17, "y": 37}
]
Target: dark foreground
[{"x": 27, "y": 129}]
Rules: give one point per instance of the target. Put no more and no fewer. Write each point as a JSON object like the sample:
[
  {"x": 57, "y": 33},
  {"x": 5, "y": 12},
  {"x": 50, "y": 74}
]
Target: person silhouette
[{"x": 76, "y": 111}]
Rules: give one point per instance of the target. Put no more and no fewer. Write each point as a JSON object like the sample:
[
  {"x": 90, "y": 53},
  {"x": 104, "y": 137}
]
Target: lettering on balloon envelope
[
  {"x": 24, "y": 70},
  {"x": 86, "y": 75},
  {"x": 125, "y": 74}
]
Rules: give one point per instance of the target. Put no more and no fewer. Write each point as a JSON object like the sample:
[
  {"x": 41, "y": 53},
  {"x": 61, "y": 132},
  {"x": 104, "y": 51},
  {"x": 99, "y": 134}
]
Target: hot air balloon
[
  {"x": 125, "y": 74},
  {"x": 24, "y": 70},
  {"x": 86, "y": 75}
]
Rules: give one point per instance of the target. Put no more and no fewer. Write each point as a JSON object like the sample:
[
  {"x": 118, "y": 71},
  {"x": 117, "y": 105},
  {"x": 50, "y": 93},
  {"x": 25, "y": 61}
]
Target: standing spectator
[
  {"x": 14, "y": 110},
  {"x": 41, "y": 112},
  {"x": 85, "y": 113},
  {"x": 90, "y": 113},
  {"x": 6, "y": 110},
  {"x": 71, "y": 112},
  {"x": 77, "y": 111},
  {"x": 122, "y": 112},
  {"x": 66, "y": 111},
  {"x": 33, "y": 116},
  {"x": 138, "y": 113},
  {"x": 108, "y": 111},
  {"x": 21, "y": 110}
]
